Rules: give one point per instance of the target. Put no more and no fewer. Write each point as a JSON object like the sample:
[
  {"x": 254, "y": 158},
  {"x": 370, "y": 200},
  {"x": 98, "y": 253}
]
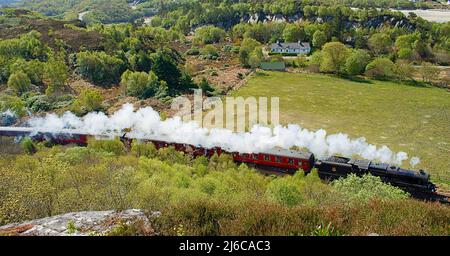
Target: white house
[{"x": 291, "y": 48}]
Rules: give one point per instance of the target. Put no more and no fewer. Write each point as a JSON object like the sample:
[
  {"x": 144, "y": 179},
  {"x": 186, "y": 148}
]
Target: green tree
[
  {"x": 99, "y": 67},
  {"x": 35, "y": 70},
  {"x": 255, "y": 57},
  {"x": 247, "y": 47},
  {"x": 334, "y": 56},
  {"x": 12, "y": 103},
  {"x": 405, "y": 53},
  {"x": 89, "y": 100},
  {"x": 319, "y": 39},
  {"x": 356, "y": 63},
  {"x": 166, "y": 69},
  {"x": 380, "y": 43},
  {"x": 209, "y": 52},
  {"x": 293, "y": 33},
  {"x": 380, "y": 68},
  {"x": 140, "y": 84},
  {"x": 56, "y": 75},
  {"x": 19, "y": 82},
  {"x": 209, "y": 35}
]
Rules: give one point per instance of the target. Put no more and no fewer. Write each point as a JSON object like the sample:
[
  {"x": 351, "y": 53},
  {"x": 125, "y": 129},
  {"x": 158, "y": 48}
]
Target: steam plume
[{"x": 146, "y": 123}]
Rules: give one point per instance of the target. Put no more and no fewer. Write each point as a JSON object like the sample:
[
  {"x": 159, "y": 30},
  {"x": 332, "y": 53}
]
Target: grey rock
[{"x": 82, "y": 223}]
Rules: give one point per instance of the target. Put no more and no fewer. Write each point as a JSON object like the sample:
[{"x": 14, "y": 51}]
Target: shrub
[
  {"x": 110, "y": 146},
  {"x": 39, "y": 103},
  {"x": 19, "y": 82},
  {"x": 428, "y": 71},
  {"x": 209, "y": 52},
  {"x": 89, "y": 100},
  {"x": 206, "y": 87},
  {"x": 99, "y": 67},
  {"x": 209, "y": 35},
  {"x": 193, "y": 51},
  {"x": 285, "y": 191},
  {"x": 28, "y": 146},
  {"x": 333, "y": 57},
  {"x": 366, "y": 188},
  {"x": 140, "y": 84},
  {"x": 56, "y": 74},
  {"x": 247, "y": 47},
  {"x": 356, "y": 63},
  {"x": 12, "y": 103},
  {"x": 143, "y": 149},
  {"x": 380, "y": 68}
]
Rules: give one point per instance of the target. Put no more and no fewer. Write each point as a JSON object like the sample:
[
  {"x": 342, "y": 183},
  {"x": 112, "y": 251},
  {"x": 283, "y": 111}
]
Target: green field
[{"x": 406, "y": 118}]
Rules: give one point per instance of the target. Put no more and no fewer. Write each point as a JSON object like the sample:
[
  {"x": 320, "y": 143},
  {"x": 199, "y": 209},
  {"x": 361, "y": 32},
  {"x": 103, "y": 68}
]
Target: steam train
[{"x": 279, "y": 161}]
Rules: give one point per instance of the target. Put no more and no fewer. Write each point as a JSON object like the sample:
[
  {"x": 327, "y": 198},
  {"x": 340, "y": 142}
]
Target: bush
[
  {"x": 99, "y": 67},
  {"x": 247, "y": 47},
  {"x": 193, "y": 51},
  {"x": 380, "y": 68},
  {"x": 39, "y": 103},
  {"x": 140, "y": 84},
  {"x": 366, "y": 188},
  {"x": 110, "y": 146},
  {"x": 19, "y": 82},
  {"x": 209, "y": 52},
  {"x": 143, "y": 149},
  {"x": 209, "y": 35},
  {"x": 12, "y": 103},
  {"x": 206, "y": 87},
  {"x": 356, "y": 63},
  {"x": 285, "y": 191},
  {"x": 89, "y": 100},
  {"x": 28, "y": 146}
]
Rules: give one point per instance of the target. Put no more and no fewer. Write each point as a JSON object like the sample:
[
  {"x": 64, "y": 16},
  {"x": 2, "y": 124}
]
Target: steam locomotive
[{"x": 279, "y": 161}]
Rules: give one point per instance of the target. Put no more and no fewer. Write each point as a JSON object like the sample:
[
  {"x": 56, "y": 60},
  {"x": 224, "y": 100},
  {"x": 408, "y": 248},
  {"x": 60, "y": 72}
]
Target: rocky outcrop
[
  {"x": 129, "y": 222},
  {"x": 7, "y": 118}
]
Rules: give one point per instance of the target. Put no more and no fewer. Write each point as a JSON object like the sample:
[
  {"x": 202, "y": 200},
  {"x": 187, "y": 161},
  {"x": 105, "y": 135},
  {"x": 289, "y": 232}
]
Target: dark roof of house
[
  {"x": 279, "y": 65},
  {"x": 290, "y": 45}
]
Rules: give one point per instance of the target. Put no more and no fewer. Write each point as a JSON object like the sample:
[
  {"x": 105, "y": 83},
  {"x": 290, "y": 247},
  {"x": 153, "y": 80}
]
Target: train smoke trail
[{"x": 147, "y": 123}]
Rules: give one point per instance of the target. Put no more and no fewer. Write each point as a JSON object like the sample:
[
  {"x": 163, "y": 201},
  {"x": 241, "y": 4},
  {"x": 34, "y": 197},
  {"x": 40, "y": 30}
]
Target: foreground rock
[{"x": 129, "y": 222}]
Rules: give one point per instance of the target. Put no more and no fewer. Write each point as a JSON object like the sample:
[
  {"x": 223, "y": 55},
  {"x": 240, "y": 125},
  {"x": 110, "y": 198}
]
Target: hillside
[
  {"x": 197, "y": 196},
  {"x": 15, "y": 23}
]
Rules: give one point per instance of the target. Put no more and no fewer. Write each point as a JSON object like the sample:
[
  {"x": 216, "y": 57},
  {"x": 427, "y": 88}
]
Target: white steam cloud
[{"x": 147, "y": 123}]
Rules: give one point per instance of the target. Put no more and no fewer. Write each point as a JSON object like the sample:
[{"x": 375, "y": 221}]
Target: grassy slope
[{"x": 405, "y": 118}]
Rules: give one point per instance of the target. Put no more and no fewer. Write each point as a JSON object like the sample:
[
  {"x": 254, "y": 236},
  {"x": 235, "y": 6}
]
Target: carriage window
[
  {"x": 246, "y": 155},
  {"x": 255, "y": 156},
  {"x": 278, "y": 159},
  {"x": 267, "y": 158},
  {"x": 291, "y": 161}
]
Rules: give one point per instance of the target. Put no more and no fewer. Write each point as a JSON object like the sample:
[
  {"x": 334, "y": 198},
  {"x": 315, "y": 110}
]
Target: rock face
[
  {"x": 7, "y": 118},
  {"x": 129, "y": 222}
]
